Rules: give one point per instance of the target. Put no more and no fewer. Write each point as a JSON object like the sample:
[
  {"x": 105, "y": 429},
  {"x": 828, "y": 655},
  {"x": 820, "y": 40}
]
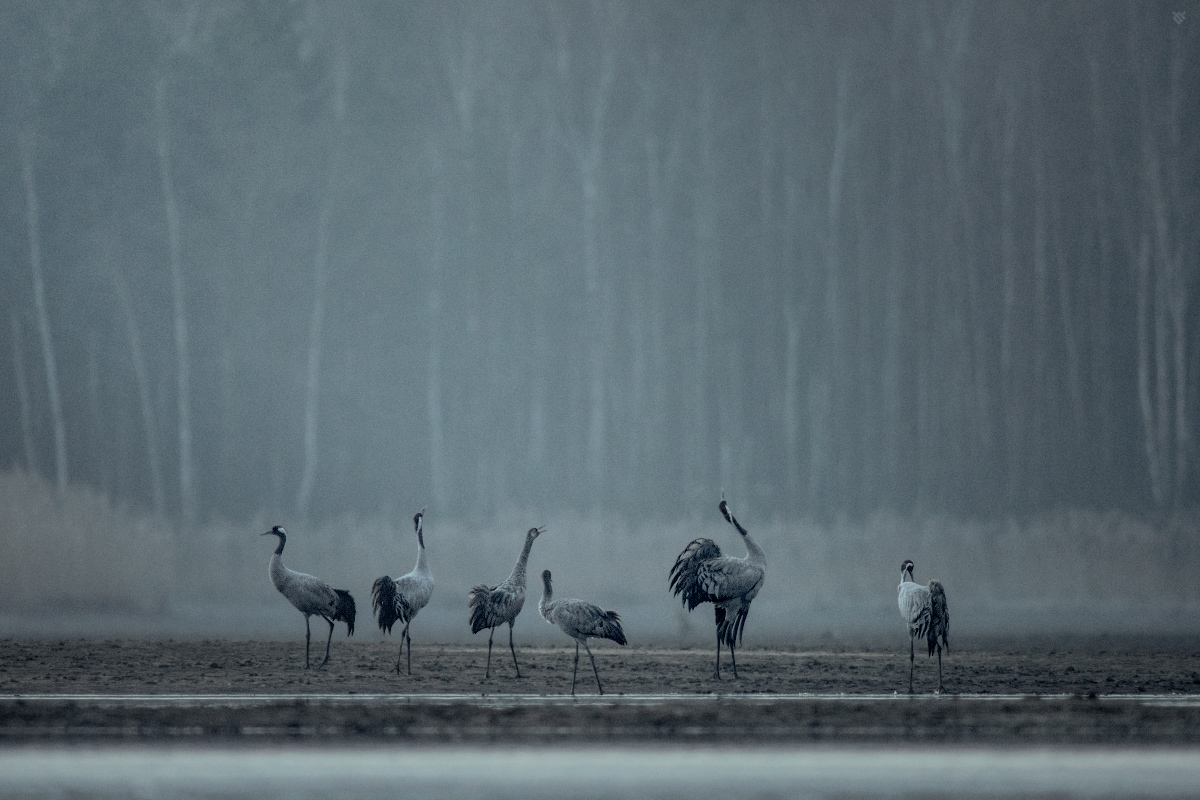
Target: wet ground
[
  {"x": 363, "y": 666},
  {"x": 90, "y": 691}
]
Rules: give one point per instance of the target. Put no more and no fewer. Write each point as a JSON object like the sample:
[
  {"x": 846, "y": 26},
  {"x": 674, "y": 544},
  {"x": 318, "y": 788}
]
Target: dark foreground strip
[{"x": 1033, "y": 720}]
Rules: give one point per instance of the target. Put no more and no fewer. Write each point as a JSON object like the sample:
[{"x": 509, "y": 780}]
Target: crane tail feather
[
  {"x": 939, "y": 619},
  {"x": 478, "y": 602},
  {"x": 610, "y": 627},
  {"x": 684, "y": 576},
  {"x": 345, "y": 610},
  {"x": 383, "y": 602}
]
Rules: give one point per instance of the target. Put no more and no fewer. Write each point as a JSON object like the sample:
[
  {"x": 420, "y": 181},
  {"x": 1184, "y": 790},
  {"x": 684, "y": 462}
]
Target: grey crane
[
  {"x": 580, "y": 619},
  {"x": 399, "y": 600},
  {"x": 924, "y": 609},
  {"x": 495, "y": 605},
  {"x": 310, "y": 596},
  {"x": 702, "y": 575}
]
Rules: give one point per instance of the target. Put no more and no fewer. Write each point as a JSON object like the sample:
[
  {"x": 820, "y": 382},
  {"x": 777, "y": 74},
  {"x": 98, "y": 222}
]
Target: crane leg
[
  {"x": 513, "y": 649},
  {"x": 912, "y": 657},
  {"x": 717, "y": 669},
  {"x": 594, "y": 670},
  {"x": 327, "y": 641},
  {"x": 408, "y": 639},
  {"x": 487, "y": 673},
  {"x": 576, "y": 670},
  {"x": 403, "y": 636},
  {"x": 939, "y": 669},
  {"x": 733, "y": 656},
  {"x": 307, "y": 639}
]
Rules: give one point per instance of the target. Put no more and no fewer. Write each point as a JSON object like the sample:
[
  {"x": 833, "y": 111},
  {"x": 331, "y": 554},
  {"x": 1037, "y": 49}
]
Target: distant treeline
[{"x": 601, "y": 257}]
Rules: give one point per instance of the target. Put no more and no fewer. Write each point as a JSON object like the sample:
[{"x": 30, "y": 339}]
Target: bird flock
[{"x": 701, "y": 574}]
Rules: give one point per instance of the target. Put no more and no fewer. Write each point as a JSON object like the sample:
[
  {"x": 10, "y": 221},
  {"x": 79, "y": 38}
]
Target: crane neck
[
  {"x": 754, "y": 553},
  {"x": 422, "y": 561},
  {"x": 277, "y": 570},
  {"x": 518, "y": 574},
  {"x": 547, "y": 596}
]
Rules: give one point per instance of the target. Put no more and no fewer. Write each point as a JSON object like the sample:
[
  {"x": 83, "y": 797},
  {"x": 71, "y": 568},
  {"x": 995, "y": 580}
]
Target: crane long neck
[
  {"x": 754, "y": 553},
  {"x": 518, "y": 574},
  {"x": 422, "y": 562},
  {"x": 547, "y": 596},
  {"x": 278, "y": 571}
]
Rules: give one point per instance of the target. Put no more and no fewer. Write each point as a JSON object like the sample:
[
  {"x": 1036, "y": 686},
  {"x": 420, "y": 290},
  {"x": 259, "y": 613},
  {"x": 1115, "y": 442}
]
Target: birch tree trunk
[
  {"x": 31, "y": 459},
  {"x": 49, "y": 362},
  {"x": 142, "y": 377},
  {"x": 187, "y": 487}
]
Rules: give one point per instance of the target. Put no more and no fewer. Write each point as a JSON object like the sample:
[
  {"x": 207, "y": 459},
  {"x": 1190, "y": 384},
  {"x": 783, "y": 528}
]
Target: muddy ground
[
  {"x": 1089, "y": 675},
  {"x": 135, "y": 666}
]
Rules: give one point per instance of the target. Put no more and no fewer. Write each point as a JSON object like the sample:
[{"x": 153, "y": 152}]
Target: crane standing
[
  {"x": 401, "y": 599},
  {"x": 924, "y": 609},
  {"x": 310, "y": 596},
  {"x": 702, "y": 575},
  {"x": 495, "y": 605},
  {"x": 580, "y": 619}
]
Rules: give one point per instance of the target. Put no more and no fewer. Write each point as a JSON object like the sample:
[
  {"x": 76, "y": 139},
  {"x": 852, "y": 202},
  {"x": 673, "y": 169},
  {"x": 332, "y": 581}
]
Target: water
[{"x": 730, "y": 773}]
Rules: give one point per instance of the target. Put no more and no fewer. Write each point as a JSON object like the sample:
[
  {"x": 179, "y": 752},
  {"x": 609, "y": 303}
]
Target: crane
[
  {"x": 580, "y": 619},
  {"x": 495, "y": 605},
  {"x": 702, "y": 575},
  {"x": 401, "y": 599},
  {"x": 310, "y": 596},
  {"x": 924, "y": 609}
]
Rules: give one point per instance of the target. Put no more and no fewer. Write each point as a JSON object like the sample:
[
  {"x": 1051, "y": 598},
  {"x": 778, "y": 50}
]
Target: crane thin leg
[
  {"x": 307, "y": 639},
  {"x": 733, "y": 656},
  {"x": 327, "y": 641},
  {"x": 487, "y": 673},
  {"x": 513, "y": 649},
  {"x": 593, "y": 658},
  {"x": 576, "y": 670},
  {"x": 912, "y": 657},
  {"x": 939, "y": 669},
  {"x": 408, "y": 639},
  {"x": 717, "y": 670}
]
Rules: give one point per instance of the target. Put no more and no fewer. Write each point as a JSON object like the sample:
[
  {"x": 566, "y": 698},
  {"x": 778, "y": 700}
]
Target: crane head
[
  {"x": 546, "y": 577},
  {"x": 906, "y": 567},
  {"x": 724, "y": 507},
  {"x": 535, "y": 532},
  {"x": 276, "y": 530},
  {"x": 420, "y": 515}
]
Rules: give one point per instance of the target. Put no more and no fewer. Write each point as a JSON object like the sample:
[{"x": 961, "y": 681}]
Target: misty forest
[{"x": 901, "y": 279}]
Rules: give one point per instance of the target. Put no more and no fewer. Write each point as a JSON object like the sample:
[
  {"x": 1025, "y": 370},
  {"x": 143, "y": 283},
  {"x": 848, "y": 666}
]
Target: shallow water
[{"x": 596, "y": 771}]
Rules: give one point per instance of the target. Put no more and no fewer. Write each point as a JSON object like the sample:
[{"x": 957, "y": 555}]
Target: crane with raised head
[
  {"x": 400, "y": 599},
  {"x": 310, "y": 596},
  {"x": 702, "y": 575},
  {"x": 492, "y": 606},
  {"x": 924, "y": 609},
  {"x": 580, "y": 619}
]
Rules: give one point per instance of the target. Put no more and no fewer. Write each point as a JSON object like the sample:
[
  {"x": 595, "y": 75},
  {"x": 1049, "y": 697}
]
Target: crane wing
[
  {"x": 726, "y": 578},
  {"x": 684, "y": 577}
]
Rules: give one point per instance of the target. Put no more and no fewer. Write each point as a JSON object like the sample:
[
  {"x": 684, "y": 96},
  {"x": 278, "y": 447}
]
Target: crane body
[
  {"x": 580, "y": 619},
  {"x": 492, "y": 606},
  {"x": 924, "y": 609},
  {"x": 701, "y": 574},
  {"x": 310, "y": 595},
  {"x": 399, "y": 600}
]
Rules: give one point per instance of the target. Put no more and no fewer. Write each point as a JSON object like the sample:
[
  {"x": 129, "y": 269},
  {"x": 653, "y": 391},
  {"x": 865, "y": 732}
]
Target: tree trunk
[
  {"x": 187, "y": 488},
  {"x": 142, "y": 377},
  {"x": 31, "y": 459},
  {"x": 43, "y": 317}
]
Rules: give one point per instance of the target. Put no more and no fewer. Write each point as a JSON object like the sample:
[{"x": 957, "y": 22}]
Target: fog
[{"x": 901, "y": 280}]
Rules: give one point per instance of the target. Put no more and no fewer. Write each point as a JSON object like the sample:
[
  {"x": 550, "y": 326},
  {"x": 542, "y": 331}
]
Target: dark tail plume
[
  {"x": 684, "y": 577},
  {"x": 383, "y": 602},
  {"x": 939, "y": 618},
  {"x": 345, "y": 610},
  {"x": 479, "y": 607},
  {"x": 610, "y": 628}
]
